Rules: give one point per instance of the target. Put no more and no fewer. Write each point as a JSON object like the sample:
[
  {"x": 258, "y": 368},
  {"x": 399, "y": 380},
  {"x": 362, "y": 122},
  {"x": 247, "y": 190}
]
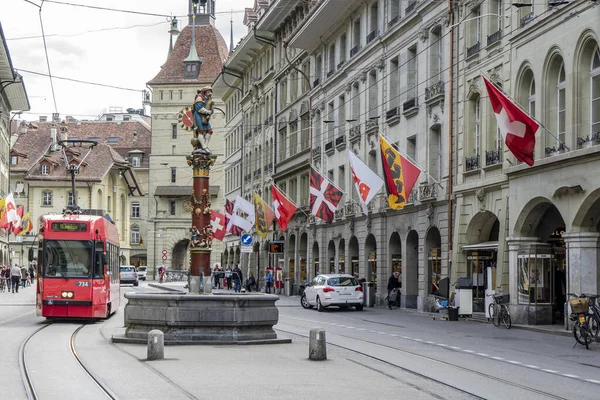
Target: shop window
[
  {"x": 331, "y": 265},
  {"x": 372, "y": 265},
  {"x": 341, "y": 269},
  {"x": 435, "y": 266},
  {"x": 355, "y": 267},
  {"x": 397, "y": 266},
  {"x": 316, "y": 266},
  {"x": 535, "y": 280},
  {"x": 303, "y": 277}
]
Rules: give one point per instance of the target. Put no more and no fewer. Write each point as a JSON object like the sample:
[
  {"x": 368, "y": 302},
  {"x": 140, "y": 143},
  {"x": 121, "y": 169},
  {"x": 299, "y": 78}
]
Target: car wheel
[
  {"x": 320, "y": 307},
  {"x": 304, "y": 302},
  {"x": 359, "y": 307},
  {"x": 136, "y": 283}
]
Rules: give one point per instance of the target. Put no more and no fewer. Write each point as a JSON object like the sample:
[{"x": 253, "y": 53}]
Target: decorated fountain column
[{"x": 201, "y": 233}]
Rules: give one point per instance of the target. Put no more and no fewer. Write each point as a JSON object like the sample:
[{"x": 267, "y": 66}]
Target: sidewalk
[{"x": 294, "y": 301}]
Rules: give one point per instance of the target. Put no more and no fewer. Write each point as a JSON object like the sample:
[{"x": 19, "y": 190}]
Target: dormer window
[
  {"x": 113, "y": 139},
  {"x": 45, "y": 169},
  {"x": 14, "y": 160},
  {"x": 136, "y": 161}
]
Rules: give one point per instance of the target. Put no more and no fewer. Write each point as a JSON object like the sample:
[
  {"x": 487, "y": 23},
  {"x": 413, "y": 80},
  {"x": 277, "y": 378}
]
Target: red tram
[{"x": 78, "y": 267}]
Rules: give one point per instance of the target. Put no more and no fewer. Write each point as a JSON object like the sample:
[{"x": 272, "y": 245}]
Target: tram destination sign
[{"x": 69, "y": 226}]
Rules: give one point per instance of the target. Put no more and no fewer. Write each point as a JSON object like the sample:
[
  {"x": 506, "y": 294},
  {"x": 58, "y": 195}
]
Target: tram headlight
[{"x": 67, "y": 295}]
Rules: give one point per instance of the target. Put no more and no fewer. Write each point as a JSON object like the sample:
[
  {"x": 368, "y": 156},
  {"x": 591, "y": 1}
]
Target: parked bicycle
[
  {"x": 498, "y": 310},
  {"x": 587, "y": 325}
]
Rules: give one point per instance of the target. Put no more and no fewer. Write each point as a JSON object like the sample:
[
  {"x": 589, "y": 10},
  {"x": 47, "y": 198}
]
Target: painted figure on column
[{"x": 203, "y": 110}]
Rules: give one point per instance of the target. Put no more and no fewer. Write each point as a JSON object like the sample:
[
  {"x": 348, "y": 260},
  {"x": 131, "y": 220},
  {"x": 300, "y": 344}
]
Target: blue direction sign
[{"x": 246, "y": 239}]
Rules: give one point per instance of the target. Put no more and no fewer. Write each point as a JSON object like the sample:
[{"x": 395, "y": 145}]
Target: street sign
[
  {"x": 246, "y": 239},
  {"x": 164, "y": 257},
  {"x": 276, "y": 247},
  {"x": 164, "y": 252},
  {"x": 246, "y": 249}
]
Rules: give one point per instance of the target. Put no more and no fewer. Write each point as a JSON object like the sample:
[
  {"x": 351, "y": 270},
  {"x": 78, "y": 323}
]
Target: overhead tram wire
[
  {"x": 47, "y": 59},
  {"x": 79, "y": 81}
]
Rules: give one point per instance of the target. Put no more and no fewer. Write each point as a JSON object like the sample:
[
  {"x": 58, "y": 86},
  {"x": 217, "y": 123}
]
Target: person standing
[
  {"x": 393, "y": 286},
  {"x": 32, "y": 273},
  {"x": 228, "y": 277},
  {"x": 250, "y": 282},
  {"x": 217, "y": 276},
  {"x": 24, "y": 274},
  {"x": 268, "y": 282},
  {"x": 237, "y": 279},
  {"x": 15, "y": 276}
]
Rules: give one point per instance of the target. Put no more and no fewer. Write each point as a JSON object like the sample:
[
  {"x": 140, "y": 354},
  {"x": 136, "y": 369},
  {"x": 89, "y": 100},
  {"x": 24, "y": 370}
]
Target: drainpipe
[{"x": 450, "y": 136}]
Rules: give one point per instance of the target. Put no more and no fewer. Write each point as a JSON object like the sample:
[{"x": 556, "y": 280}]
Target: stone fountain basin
[{"x": 201, "y": 319}]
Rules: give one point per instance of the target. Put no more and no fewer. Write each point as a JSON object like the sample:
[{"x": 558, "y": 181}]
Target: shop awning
[{"x": 482, "y": 246}]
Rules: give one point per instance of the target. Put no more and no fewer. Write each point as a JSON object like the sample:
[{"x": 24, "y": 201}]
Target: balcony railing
[
  {"x": 527, "y": 19},
  {"x": 472, "y": 163},
  {"x": 371, "y": 36},
  {"x": 248, "y": 177},
  {"x": 354, "y": 50},
  {"x": 412, "y": 197},
  {"x": 427, "y": 191},
  {"x": 556, "y": 150},
  {"x": 341, "y": 64},
  {"x": 493, "y": 157},
  {"x": 434, "y": 90},
  {"x": 393, "y": 21},
  {"x": 340, "y": 142},
  {"x": 391, "y": 113},
  {"x": 257, "y": 173},
  {"x": 330, "y": 73},
  {"x": 266, "y": 121},
  {"x": 316, "y": 82},
  {"x": 410, "y": 7},
  {"x": 494, "y": 37},
  {"x": 410, "y": 105},
  {"x": 473, "y": 49},
  {"x": 316, "y": 153},
  {"x": 371, "y": 124},
  {"x": 329, "y": 147},
  {"x": 354, "y": 133},
  {"x": 268, "y": 167},
  {"x": 271, "y": 120}
]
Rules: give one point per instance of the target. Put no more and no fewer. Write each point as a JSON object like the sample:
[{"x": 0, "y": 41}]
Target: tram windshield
[{"x": 68, "y": 259}]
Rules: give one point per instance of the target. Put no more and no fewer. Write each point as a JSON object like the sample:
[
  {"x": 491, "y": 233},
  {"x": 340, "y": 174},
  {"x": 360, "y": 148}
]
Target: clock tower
[{"x": 194, "y": 62}]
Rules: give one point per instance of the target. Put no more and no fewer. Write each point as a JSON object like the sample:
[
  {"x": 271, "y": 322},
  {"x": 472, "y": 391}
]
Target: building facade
[
  {"x": 105, "y": 182},
  {"x": 193, "y": 63},
  {"x": 13, "y": 100},
  {"x": 333, "y": 82}
]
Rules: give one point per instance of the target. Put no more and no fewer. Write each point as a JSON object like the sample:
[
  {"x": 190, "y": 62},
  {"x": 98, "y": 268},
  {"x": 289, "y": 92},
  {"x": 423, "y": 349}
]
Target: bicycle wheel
[
  {"x": 505, "y": 316},
  {"x": 582, "y": 334},
  {"x": 496, "y": 318},
  {"x": 594, "y": 325},
  {"x": 491, "y": 312}
]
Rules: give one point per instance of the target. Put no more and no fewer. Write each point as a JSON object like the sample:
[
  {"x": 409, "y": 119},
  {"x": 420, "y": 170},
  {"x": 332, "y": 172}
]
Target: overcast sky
[{"x": 83, "y": 44}]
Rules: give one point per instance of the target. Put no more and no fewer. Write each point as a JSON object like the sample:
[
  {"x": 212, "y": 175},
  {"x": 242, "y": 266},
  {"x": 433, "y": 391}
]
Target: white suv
[
  {"x": 340, "y": 290},
  {"x": 142, "y": 272}
]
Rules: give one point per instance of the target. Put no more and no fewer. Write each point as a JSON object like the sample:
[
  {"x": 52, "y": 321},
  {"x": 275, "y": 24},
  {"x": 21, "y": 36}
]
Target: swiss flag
[
  {"x": 517, "y": 128},
  {"x": 283, "y": 207},
  {"x": 217, "y": 223},
  {"x": 17, "y": 226}
]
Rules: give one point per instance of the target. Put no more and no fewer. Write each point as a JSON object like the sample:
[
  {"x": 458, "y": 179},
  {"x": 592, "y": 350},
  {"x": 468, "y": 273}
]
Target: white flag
[
  {"x": 245, "y": 206},
  {"x": 11, "y": 208},
  {"x": 366, "y": 182},
  {"x": 241, "y": 222}
]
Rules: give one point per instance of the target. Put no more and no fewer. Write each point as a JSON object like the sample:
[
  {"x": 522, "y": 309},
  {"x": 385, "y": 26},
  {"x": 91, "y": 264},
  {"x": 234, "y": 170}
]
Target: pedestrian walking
[
  {"x": 250, "y": 282},
  {"x": 24, "y": 274},
  {"x": 217, "y": 276},
  {"x": 268, "y": 282},
  {"x": 7, "y": 277},
  {"x": 32, "y": 274},
  {"x": 161, "y": 272},
  {"x": 228, "y": 277},
  {"x": 15, "y": 276},
  {"x": 393, "y": 288},
  {"x": 237, "y": 279}
]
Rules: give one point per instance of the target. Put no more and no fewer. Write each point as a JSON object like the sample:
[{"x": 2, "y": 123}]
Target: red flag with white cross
[
  {"x": 217, "y": 223},
  {"x": 516, "y": 126},
  {"x": 283, "y": 207}
]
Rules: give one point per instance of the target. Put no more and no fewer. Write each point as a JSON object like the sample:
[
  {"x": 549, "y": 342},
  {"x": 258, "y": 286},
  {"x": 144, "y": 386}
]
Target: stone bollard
[
  {"x": 317, "y": 345},
  {"x": 156, "y": 345}
]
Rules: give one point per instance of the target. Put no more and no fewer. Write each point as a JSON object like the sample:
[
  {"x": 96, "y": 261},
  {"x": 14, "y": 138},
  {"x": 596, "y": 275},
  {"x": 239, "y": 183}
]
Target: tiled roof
[
  {"x": 36, "y": 143},
  {"x": 209, "y": 44},
  {"x": 132, "y": 135}
]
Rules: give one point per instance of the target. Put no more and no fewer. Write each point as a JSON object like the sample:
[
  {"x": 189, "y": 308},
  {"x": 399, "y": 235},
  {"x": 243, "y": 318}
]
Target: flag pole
[
  {"x": 516, "y": 103},
  {"x": 409, "y": 159}
]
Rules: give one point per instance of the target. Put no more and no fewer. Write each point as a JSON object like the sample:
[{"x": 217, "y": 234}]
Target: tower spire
[
  {"x": 231, "y": 34},
  {"x": 192, "y": 63}
]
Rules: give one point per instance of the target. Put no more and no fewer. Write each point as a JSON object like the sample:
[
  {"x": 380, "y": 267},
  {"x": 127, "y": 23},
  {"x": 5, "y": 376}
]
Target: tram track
[
  {"x": 26, "y": 376},
  {"x": 431, "y": 359}
]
